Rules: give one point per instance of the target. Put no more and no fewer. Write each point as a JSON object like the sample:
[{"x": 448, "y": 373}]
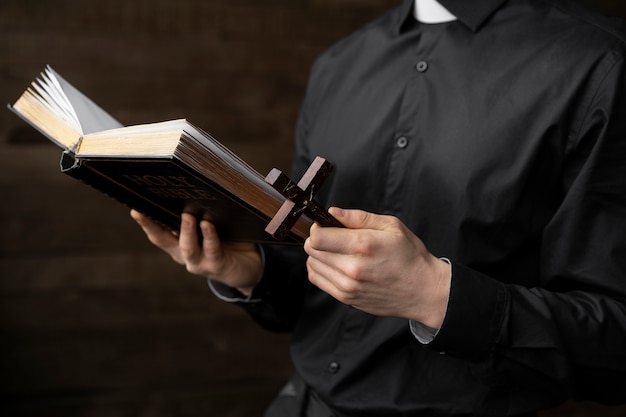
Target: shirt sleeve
[
  {"x": 229, "y": 294},
  {"x": 567, "y": 333},
  {"x": 276, "y": 300}
]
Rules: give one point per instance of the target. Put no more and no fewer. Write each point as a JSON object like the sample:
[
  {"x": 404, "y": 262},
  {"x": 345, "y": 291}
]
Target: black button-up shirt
[{"x": 500, "y": 140}]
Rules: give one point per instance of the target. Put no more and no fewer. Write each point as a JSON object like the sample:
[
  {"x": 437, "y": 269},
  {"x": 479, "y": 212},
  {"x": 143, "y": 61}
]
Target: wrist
[
  {"x": 437, "y": 303},
  {"x": 257, "y": 266}
]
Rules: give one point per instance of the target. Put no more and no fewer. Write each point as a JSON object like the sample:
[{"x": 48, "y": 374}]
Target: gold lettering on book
[{"x": 170, "y": 186}]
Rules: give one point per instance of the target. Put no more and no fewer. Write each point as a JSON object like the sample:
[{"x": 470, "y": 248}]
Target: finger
[
  {"x": 339, "y": 241},
  {"x": 359, "y": 219},
  {"x": 157, "y": 235},
  {"x": 332, "y": 281},
  {"x": 211, "y": 243},
  {"x": 351, "y": 263},
  {"x": 362, "y": 236},
  {"x": 318, "y": 273},
  {"x": 188, "y": 240}
]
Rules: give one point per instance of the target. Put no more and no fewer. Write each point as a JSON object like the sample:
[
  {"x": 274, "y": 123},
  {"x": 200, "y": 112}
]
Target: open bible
[{"x": 160, "y": 169}]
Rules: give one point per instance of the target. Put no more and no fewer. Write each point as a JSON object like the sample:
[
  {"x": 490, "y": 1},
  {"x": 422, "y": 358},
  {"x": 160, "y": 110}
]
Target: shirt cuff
[
  {"x": 474, "y": 317},
  {"x": 423, "y": 333},
  {"x": 229, "y": 294}
]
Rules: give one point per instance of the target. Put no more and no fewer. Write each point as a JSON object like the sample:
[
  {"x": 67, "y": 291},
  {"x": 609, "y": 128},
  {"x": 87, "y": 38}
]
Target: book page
[
  {"x": 36, "y": 111},
  {"x": 59, "y": 111},
  {"x": 154, "y": 140},
  {"x": 92, "y": 118}
]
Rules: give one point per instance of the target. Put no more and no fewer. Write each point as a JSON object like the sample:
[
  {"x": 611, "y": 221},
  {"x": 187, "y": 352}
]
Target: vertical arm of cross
[{"x": 300, "y": 198}]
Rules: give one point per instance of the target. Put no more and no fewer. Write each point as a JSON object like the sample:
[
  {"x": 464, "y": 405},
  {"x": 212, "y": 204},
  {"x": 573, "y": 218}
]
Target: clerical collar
[
  {"x": 472, "y": 13},
  {"x": 430, "y": 11}
]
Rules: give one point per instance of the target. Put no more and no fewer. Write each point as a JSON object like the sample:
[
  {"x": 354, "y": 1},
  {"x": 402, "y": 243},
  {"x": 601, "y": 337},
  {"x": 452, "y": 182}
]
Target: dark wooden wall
[{"x": 93, "y": 320}]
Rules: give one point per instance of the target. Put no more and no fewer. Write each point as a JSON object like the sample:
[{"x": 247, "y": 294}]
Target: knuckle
[
  {"x": 187, "y": 252},
  {"x": 212, "y": 252},
  {"x": 362, "y": 245},
  {"x": 351, "y": 284},
  {"x": 352, "y": 271},
  {"x": 361, "y": 216}
]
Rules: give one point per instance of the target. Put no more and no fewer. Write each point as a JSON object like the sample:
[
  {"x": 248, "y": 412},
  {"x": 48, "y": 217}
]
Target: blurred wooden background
[{"x": 93, "y": 320}]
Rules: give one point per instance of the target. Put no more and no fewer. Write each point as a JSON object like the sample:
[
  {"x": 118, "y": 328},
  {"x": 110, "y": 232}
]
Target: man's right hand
[{"x": 237, "y": 265}]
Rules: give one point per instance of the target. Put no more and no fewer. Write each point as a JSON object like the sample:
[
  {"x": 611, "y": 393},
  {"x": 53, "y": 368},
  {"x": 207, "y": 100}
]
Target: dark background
[{"x": 93, "y": 320}]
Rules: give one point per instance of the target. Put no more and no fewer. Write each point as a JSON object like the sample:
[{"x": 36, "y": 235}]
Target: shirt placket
[{"x": 406, "y": 140}]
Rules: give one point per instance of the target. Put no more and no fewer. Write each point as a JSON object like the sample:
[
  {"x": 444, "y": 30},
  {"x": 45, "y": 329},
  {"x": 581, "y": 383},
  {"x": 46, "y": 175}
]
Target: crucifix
[{"x": 300, "y": 198}]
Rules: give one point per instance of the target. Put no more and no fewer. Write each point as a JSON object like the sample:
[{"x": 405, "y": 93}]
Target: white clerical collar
[{"x": 430, "y": 11}]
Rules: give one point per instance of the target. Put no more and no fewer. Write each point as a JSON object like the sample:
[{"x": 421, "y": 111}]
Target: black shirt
[{"x": 500, "y": 140}]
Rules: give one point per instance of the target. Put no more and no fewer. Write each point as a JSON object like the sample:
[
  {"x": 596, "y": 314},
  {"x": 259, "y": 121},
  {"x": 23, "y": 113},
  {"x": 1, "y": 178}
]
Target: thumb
[{"x": 359, "y": 219}]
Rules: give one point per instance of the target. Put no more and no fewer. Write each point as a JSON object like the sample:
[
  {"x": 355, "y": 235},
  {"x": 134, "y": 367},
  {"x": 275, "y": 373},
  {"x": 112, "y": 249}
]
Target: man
[{"x": 480, "y": 164}]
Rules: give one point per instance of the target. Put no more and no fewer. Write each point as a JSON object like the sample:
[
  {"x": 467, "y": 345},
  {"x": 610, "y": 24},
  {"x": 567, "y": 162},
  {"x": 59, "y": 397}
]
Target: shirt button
[
  {"x": 421, "y": 66},
  {"x": 402, "y": 142},
  {"x": 333, "y": 367}
]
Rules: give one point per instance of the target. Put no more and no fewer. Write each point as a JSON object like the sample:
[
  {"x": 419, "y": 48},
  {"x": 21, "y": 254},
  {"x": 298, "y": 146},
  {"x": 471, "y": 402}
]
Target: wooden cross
[{"x": 300, "y": 198}]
